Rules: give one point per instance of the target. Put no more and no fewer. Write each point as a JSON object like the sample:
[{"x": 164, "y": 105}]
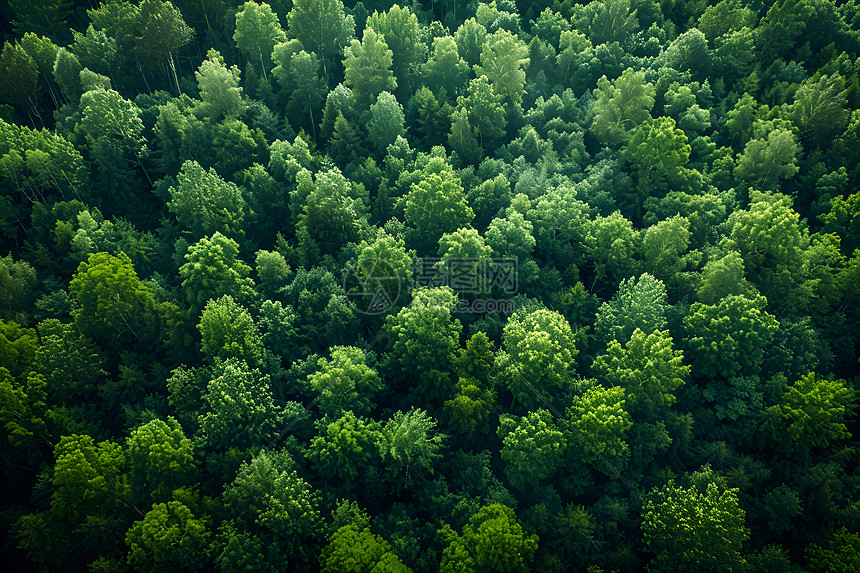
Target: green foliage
[
  {"x": 766, "y": 161},
  {"x": 347, "y": 448},
  {"x": 212, "y": 269},
  {"x": 42, "y": 16},
  {"x": 169, "y": 535},
  {"x": 402, "y": 33},
  {"x": 240, "y": 411},
  {"x": 23, "y": 417},
  {"x": 89, "y": 478},
  {"x": 205, "y": 204},
  {"x": 814, "y": 411},
  {"x": 114, "y": 306},
  {"x": 40, "y": 165},
  {"x": 648, "y": 368},
  {"x": 322, "y": 26},
  {"x": 434, "y": 206},
  {"x": 410, "y": 448},
  {"x": 114, "y": 135},
  {"x": 656, "y": 151},
  {"x": 386, "y": 121},
  {"x": 471, "y": 409},
  {"x": 228, "y": 331},
  {"x": 269, "y": 497},
  {"x": 620, "y": 106},
  {"x": 445, "y": 68},
  {"x": 842, "y": 553},
  {"x": 219, "y": 89},
  {"x": 492, "y": 540},
  {"x": 729, "y": 337},
  {"x": 20, "y": 77},
  {"x": 722, "y": 277},
  {"x": 540, "y": 352},
  {"x": 384, "y": 258},
  {"x": 533, "y": 448},
  {"x": 368, "y": 69},
  {"x": 637, "y": 304},
  {"x": 689, "y": 528},
  {"x": 257, "y": 33},
  {"x": 613, "y": 244},
  {"x": 485, "y": 113},
  {"x": 359, "y": 550},
  {"x": 503, "y": 60},
  {"x": 160, "y": 460},
  {"x": 345, "y": 382},
  {"x": 600, "y": 423}
]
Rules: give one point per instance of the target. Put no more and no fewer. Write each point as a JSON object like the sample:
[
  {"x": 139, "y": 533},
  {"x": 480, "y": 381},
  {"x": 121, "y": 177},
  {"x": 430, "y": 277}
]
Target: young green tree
[
  {"x": 345, "y": 382},
  {"x": 89, "y": 479},
  {"x": 819, "y": 109},
  {"x": 205, "y": 204},
  {"x": 162, "y": 31},
  {"x": 257, "y": 33},
  {"x": 213, "y": 269},
  {"x": 722, "y": 277},
  {"x": 410, "y": 448},
  {"x": 842, "y": 553},
  {"x": 387, "y": 122},
  {"x": 347, "y": 450},
  {"x": 434, "y": 206},
  {"x": 533, "y": 447},
  {"x": 67, "y": 74},
  {"x": 621, "y": 105},
  {"x": 353, "y": 549},
  {"x": 729, "y": 337},
  {"x": 648, "y": 368},
  {"x": 485, "y": 112},
  {"x": 766, "y": 161},
  {"x": 113, "y": 131},
  {"x": 323, "y": 28},
  {"x": 690, "y": 529},
  {"x": 168, "y": 536},
  {"x": 402, "y": 33},
  {"x": 612, "y": 243},
  {"x": 114, "y": 306},
  {"x": 228, "y": 331},
  {"x": 600, "y": 423},
  {"x": 270, "y": 500},
  {"x": 445, "y": 69},
  {"x": 613, "y": 21},
  {"x": 160, "y": 460},
  {"x": 666, "y": 251},
  {"x": 20, "y": 79},
  {"x": 47, "y": 17},
  {"x": 538, "y": 361},
  {"x": 240, "y": 412},
  {"x": 367, "y": 69},
  {"x": 814, "y": 411},
  {"x": 504, "y": 59},
  {"x": 423, "y": 338},
  {"x": 493, "y": 540},
  {"x": 656, "y": 151},
  {"x": 219, "y": 89},
  {"x": 470, "y": 411},
  {"x": 471, "y": 38}
]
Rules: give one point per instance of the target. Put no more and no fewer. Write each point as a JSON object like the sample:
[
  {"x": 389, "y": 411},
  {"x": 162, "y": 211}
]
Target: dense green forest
[{"x": 448, "y": 286}]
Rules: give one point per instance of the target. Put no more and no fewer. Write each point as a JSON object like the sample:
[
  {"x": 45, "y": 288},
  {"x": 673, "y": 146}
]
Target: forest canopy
[{"x": 315, "y": 285}]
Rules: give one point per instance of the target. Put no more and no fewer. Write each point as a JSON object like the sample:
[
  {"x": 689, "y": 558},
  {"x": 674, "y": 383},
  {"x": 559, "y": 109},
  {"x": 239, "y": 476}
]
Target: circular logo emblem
[{"x": 372, "y": 286}]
